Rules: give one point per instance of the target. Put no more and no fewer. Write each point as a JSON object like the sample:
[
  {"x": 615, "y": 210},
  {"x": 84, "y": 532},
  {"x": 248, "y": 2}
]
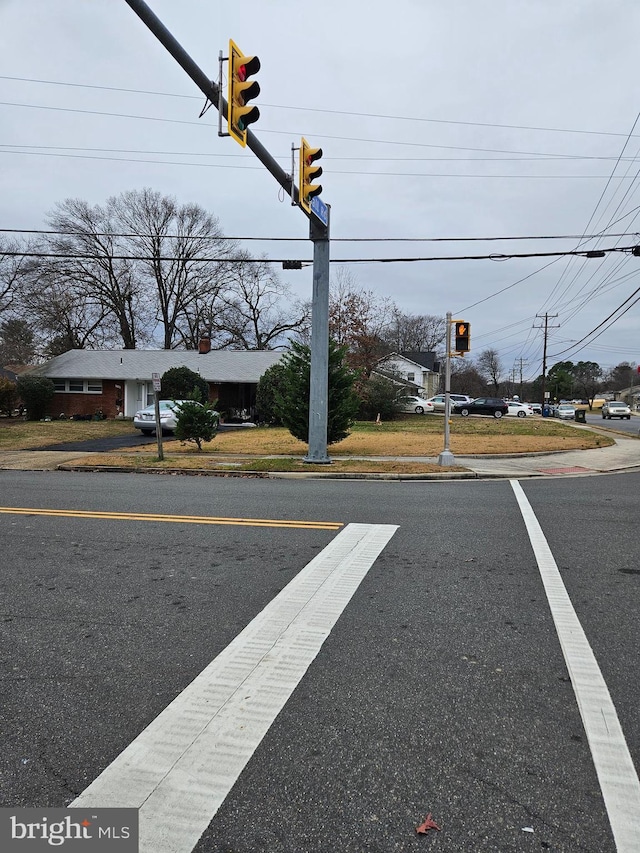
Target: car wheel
[
  {"x": 609, "y": 417},
  {"x": 419, "y": 410},
  {"x": 146, "y": 431},
  {"x": 497, "y": 413},
  {"x": 464, "y": 413},
  {"x": 522, "y": 414},
  {"x": 628, "y": 417}
]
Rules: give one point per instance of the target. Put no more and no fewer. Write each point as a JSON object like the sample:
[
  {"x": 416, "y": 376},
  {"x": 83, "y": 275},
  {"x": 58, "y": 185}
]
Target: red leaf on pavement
[{"x": 427, "y": 825}]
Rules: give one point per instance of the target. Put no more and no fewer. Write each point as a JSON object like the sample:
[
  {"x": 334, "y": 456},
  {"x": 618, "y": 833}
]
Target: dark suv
[{"x": 482, "y": 406}]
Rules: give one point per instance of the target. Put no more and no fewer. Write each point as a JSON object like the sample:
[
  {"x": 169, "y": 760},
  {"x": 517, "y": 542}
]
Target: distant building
[{"x": 417, "y": 372}]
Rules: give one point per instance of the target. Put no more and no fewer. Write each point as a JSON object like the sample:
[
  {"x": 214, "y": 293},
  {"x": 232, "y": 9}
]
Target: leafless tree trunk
[
  {"x": 92, "y": 267},
  {"x": 175, "y": 244},
  {"x": 251, "y": 313},
  {"x": 488, "y": 364}
]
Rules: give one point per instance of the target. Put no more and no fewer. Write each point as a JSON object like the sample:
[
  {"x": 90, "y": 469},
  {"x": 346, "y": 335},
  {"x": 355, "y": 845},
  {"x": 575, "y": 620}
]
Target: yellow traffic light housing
[
  {"x": 241, "y": 91},
  {"x": 463, "y": 336},
  {"x": 308, "y": 174}
]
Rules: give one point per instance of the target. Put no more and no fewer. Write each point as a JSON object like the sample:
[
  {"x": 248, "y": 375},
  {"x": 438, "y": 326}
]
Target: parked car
[
  {"x": 438, "y": 401},
  {"x": 616, "y": 409},
  {"x": 565, "y": 411},
  {"x": 519, "y": 410},
  {"x": 145, "y": 419},
  {"x": 482, "y": 406},
  {"x": 537, "y": 408},
  {"x": 416, "y": 405}
]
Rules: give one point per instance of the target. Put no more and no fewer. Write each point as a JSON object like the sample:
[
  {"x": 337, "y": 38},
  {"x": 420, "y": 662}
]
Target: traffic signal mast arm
[{"x": 211, "y": 91}]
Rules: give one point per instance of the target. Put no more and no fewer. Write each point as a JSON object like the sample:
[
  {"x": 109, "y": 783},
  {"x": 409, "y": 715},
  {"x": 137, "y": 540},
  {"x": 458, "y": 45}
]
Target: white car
[
  {"x": 519, "y": 410},
  {"x": 415, "y": 405}
]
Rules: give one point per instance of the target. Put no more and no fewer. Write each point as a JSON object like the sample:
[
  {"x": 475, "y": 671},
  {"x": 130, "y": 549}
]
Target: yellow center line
[{"x": 185, "y": 519}]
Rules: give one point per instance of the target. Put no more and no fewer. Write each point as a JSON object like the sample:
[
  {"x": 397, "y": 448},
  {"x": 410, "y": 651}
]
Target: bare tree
[
  {"x": 14, "y": 267},
  {"x": 415, "y": 332},
  {"x": 65, "y": 316},
  {"x": 255, "y": 310},
  {"x": 184, "y": 255},
  {"x": 358, "y": 319},
  {"x": 90, "y": 262},
  {"x": 489, "y": 366}
]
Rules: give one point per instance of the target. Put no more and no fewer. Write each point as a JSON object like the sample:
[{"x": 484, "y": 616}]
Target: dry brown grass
[{"x": 274, "y": 449}]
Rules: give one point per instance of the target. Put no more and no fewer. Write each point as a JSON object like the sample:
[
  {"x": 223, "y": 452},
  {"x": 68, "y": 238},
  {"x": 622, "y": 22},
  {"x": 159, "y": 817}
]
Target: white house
[{"x": 418, "y": 370}]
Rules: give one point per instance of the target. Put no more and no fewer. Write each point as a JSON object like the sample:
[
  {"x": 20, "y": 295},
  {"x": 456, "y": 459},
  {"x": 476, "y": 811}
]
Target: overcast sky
[{"x": 437, "y": 118}]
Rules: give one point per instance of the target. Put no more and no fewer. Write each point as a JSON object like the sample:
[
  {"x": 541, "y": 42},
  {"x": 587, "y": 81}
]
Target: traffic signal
[
  {"x": 241, "y": 91},
  {"x": 463, "y": 336},
  {"x": 308, "y": 174}
]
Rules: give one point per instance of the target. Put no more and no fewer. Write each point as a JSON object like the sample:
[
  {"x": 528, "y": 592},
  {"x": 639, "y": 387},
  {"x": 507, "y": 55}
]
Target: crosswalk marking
[
  {"x": 179, "y": 770},
  {"x": 614, "y": 765}
]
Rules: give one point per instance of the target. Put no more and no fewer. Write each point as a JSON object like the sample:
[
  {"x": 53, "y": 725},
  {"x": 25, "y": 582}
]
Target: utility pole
[
  {"x": 446, "y": 458},
  {"x": 522, "y": 362},
  {"x": 544, "y": 352}
]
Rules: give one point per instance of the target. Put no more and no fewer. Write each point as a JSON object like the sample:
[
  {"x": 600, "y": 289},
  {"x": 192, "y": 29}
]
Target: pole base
[
  {"x": 320, "y": 460},
  {"x": 447, "y": 458}
]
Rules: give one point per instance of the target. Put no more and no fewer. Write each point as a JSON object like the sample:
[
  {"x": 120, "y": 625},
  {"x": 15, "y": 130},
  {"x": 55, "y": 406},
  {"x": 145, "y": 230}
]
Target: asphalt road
[
  {"x": 631, "y": 426},
  {"x": 441, "y": 688}
]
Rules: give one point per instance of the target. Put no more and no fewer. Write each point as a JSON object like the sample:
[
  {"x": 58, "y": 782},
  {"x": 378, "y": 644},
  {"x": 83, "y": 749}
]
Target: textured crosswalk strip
[
  {"x": 616, "y": 773},
  {"x": 179, "y": 770}
]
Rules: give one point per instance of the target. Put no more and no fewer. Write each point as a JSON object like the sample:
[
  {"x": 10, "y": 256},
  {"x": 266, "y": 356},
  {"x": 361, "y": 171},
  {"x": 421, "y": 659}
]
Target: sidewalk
[{"x": 624, "y": 455}]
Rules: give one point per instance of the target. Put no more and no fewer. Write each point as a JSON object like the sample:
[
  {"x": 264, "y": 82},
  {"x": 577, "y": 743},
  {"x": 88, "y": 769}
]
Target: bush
[
  {"x": 292, "y": 401},
  {"x": 196, "y": 422},
  {"x": 181, "y": 383},
  {"x": 8, "y": 396},
  {"x": 36, "y": 392},
  {"x": 378, "y": 397},
  {"x": 271, "y": 382}
]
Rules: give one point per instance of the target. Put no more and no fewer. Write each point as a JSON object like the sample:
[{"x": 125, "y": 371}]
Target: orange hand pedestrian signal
[{"x": 463, "y": 335}]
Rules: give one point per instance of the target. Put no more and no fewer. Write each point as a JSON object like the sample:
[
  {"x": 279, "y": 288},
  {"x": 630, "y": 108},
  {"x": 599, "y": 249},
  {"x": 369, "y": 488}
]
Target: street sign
[
  {"x": 156, "y": 381},
  {"x": 320, "y": 210}
]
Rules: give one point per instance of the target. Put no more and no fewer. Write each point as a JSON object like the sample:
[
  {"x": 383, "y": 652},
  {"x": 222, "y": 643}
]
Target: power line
[
  {"x": 289, "y": 133},
  {"x": 492, "y": 257},
  {"x": 333, "y": 239},
  {"x": 330, "y": 112},
  {"x": 333, "y": 171}
]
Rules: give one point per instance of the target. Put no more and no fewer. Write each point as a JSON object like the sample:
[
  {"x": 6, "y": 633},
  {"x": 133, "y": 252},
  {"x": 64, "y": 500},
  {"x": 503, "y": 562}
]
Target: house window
[
  {"x": 411, "y": 377},
  {"x": 78, "y": 386}
]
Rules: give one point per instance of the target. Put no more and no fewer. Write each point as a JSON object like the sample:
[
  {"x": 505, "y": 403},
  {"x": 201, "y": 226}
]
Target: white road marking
[
  {"x": 179, "y": 770},
  {"x": 616, "y": 773}
]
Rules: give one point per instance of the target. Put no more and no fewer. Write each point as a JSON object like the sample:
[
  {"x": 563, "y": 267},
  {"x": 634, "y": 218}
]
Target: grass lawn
[{"x": 254, "y": 449}]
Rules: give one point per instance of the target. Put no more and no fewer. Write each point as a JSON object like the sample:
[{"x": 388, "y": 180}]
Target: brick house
[{"x": 119, "y": 382}]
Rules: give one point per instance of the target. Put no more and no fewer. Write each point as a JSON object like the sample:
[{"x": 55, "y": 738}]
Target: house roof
[
  {"x": 424, "y": 359},
  {"x": 214, "y": 366},
  {"x": 420, "y": 359}
]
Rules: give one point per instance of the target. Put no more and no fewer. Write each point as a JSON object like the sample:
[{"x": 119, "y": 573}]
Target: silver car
[
  {"x": 438, "y": 401},
  {"x": 565, "y": 412},
  {"x": 145, "y": 419},
  {"x": 616, "y": 409}
]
